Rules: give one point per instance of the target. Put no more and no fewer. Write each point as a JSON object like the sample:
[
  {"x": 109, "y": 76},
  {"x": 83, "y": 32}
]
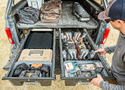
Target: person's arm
[
  {"x": 107, "y": 86},
  {"x": 110, "y": 49},
  {"x": 103, "y": 51}
]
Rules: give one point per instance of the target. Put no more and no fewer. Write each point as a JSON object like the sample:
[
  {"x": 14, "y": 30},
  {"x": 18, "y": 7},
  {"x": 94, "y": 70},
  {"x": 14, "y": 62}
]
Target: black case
[{"x": 80, "y": 12}]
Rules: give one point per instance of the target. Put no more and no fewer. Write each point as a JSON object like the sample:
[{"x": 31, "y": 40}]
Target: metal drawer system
[
  {"x": 73, "y": 77},
  {"x": 57, "y": 65},
  {"x": 40, "y": 38}
]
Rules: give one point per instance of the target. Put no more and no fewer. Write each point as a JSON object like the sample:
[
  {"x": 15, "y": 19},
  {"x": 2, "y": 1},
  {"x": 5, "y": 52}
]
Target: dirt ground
[{"x": 57, "y": 84}]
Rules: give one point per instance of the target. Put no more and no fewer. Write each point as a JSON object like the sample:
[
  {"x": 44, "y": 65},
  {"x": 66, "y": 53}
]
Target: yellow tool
[
  {"x": 36, "y": 65},
  {"x": 69, "y": 38}
]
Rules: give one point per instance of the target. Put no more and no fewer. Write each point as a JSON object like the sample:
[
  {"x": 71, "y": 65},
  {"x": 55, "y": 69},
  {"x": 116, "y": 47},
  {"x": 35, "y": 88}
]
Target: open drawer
[
  {"x": 79, "y": 63},
  {"x": 35, "y": 61}
]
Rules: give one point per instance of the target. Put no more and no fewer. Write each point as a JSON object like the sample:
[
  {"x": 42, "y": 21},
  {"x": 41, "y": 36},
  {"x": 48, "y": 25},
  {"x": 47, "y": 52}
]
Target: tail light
[
  {"x": 9, "y": 35},
  {"x": 106, "y": 33}
]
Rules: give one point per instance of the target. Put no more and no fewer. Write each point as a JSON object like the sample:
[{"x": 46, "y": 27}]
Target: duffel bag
[
  {"x": 28, "y": 15},
  {"x": 51, "y": 11}
]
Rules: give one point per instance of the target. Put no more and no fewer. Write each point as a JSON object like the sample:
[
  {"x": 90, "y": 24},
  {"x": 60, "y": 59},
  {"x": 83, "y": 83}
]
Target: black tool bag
[
  {"x": 80, "y": 12},
  {"x": 28, "y": 15},
  {"x": 45, "y": 68},
  {"x": 21, "y": 67}
]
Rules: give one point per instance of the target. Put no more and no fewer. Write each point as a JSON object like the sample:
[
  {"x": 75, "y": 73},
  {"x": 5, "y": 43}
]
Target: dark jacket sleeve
[
  {"x": 123, "y": 57},
  {"x": 107, "y": 86},
  {"x": 110, "y": 49}
]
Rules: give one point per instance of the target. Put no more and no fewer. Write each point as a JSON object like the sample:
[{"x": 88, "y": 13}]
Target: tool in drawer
[
  {"x": 73, "y": 70},
  {"x": 36, "y": 74},
  {"x": 87, "y": 44},
  {"x": 69, "y": 36},
  {"x": 64, "y": 38},
  {"x": 84, "y": 53},
  {"x": 86, "y": 74},
  {"x": 73, "y": 53},
  {"x": 31, "y": 70},
  {"x": 77, "y": 48},
  {"x": 28, "y": 73},
  {"x": 91, "y": 54},
  {"x": 44, "y": 69},
  {"x": 99, "y": 70},
  {"x": 77, "y": 35},
  {"x": 64, "y": 54},
  {"x": 69, "y": 66},
  {"x": 78, "y": 69},
  {"x": 19, "y": 68},
  {"x": 82, "y": 46},
  {"x": 36, "y": 65},
  {"x": 66, "y": 49},
  {"x": 87, "y": 67}
]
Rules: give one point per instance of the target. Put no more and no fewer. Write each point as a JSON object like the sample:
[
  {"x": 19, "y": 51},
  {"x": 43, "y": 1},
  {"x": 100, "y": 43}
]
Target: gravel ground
[{"x": 57, "y": 84}]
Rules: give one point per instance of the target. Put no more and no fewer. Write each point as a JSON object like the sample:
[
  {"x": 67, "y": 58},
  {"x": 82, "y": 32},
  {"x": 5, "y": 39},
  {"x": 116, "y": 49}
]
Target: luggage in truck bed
[{"x": 67, "y": 20}]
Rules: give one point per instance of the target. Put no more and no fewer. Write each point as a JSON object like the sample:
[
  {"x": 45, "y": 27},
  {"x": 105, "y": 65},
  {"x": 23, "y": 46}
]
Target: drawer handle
[
  {"x": 36, "y": 52},
  {"x": 84, "y": 83},
  {"x": 31, "y": 83}
]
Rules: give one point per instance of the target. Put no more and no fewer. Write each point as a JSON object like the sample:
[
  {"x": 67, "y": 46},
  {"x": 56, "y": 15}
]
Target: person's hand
[
  {"x": 96, "y": 81},
  {"x": 101, "y": 51}
]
